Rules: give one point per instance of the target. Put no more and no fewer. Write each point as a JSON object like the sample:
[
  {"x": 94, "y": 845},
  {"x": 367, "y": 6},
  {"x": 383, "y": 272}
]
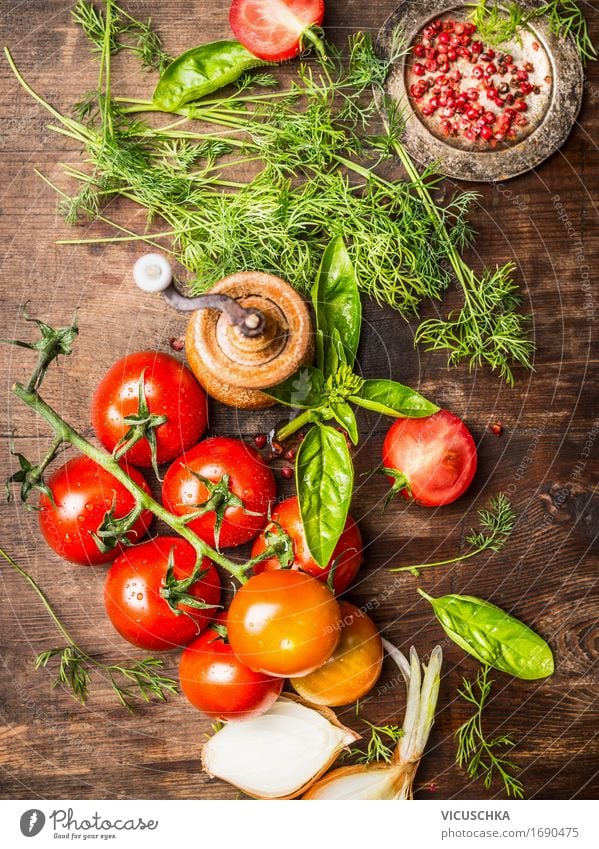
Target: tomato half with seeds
[
  {"x": 226, "y": 481},
  {"x": 431, "y": 460},
  {"x": 83, "y": 492},
  {"x": 345, "y": 562},
  {"x": 217, "y": 683},
  {"x": 139, "y": 583},
  {"x": 284, "y": 623},
  {"x": 274, "y": 29},
  {"x": 354, "y": 667},
  {"x": 170, "y": 391}
]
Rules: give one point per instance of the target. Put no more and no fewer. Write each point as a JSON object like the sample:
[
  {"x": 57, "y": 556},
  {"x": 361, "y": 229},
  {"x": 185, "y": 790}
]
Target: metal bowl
[{"x": 557, "y": 72}]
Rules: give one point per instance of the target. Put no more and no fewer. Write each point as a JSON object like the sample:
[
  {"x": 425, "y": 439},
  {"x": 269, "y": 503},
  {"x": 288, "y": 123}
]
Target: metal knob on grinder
[{"x": 251, "y": 331}]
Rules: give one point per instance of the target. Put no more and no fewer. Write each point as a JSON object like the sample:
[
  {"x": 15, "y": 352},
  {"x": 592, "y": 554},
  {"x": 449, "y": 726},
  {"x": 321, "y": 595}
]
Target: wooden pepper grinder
[{"x": 251, "y": 331}]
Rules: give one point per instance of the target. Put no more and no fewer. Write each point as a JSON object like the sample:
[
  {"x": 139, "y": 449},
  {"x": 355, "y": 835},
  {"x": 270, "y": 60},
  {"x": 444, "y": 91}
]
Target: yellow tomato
[{"x": 353, "y": 668}]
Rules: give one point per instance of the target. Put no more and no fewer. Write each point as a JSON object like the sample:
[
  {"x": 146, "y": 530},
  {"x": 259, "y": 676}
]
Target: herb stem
[
  {"x": 301, "y": 420},
  {"x": 41, "y": 595}
]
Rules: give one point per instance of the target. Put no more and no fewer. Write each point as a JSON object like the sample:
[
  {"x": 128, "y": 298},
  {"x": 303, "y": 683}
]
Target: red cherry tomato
[
  {"x": 83, "y": 493},
  {"x": 436, "y": 455},
  {"x": 284, "y": 623},
  {"x": 273, "y": 29},
  {"x": 170, "y": 390},
  {"x": 346, "y": 559},
  {"x": 217, "y": 683},
  {"x": 251, "y": 488},
  {"x": 134, "y": 602}
]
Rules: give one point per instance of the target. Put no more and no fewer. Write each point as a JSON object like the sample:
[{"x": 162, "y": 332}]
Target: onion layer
[{"x": 280, "y": 754}]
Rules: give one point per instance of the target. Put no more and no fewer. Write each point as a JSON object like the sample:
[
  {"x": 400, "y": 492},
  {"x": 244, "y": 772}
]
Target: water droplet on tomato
[{"x": 140, "y": 596}]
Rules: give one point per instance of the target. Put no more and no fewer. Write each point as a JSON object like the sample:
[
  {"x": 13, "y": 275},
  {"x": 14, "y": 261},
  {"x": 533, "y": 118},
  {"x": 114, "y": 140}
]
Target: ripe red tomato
[
  {"x": 273, "y": 29},
  {"x": 346, "y": 559},
  {"x": 170, "y": 390},
  {"x": 284, "y": 623},
  {"x": 435, "y": 455},
  {"x": 242, "y": 505},
  {"x": 134, "y": 602},
  {"x": 83, "y": 493},
  {"x": 217, "y": 683}
]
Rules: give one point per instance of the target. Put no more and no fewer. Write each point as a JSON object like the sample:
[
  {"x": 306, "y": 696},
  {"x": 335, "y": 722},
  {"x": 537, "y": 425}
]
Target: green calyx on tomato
[
  {"x": 176, "y": 592},
  {"x": 149, "y": 408},
  {"x": 139, "y": 608},
  {"x": 117, "y": 530},
  {"x": 222, "y": 489},
  {"x": 324, "y": 392},
  {"x": 220, "y": 499},
  {"x": 74, "y": 518},
  {"x": 142, "y": 425},
  {"x": 287, "y": 525}
]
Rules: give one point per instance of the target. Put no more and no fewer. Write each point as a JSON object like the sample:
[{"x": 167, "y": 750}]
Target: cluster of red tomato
[
  {"x": 282, "y": 623},
  {"x": 220, "y": 682}
]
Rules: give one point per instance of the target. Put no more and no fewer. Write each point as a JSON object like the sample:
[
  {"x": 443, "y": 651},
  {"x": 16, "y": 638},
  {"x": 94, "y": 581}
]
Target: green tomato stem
[{"x": 107, "y": 461}]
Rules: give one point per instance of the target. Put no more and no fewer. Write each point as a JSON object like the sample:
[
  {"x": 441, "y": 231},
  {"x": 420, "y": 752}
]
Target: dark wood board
[{"x": 547, "y": 575}]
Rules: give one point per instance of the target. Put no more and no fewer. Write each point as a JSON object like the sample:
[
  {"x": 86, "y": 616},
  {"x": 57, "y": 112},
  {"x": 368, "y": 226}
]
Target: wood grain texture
[{"x": 547, "y": 575}]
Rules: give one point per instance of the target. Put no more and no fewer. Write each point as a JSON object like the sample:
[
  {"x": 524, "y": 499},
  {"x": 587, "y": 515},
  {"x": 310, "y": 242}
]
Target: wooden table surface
[{"x": 547, "y": 574}]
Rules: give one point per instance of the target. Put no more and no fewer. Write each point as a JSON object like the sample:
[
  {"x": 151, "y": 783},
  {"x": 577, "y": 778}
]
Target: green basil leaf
[
  {"x": 345, "y": 416},
  {"x": 325, "y": 478},
  {"x": 393, "y": 399},
  {"x": 201, "y": 71},
  {"x": 492, "y": 636},
  {"x": 335, "y": 353},
  {"x": 304, "y": 390},
  {"x": 336, "y": 302}
]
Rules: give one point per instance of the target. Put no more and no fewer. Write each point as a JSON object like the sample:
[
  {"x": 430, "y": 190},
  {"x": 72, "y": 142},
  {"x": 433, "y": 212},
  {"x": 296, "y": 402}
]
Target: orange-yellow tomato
[
  {"x": 284, "y": 623},
  {"x": 353, "y": 668}
]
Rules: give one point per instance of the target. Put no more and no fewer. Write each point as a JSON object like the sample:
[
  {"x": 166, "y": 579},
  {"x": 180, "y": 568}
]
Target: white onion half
[{"x": 279, "y": 754}]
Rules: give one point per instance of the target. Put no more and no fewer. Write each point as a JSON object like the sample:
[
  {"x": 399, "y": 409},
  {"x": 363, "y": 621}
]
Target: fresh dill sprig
[
  {"x": 310, "y": 173},
  {"x": 489, "y": 329},
  {"x": 497, "y": 523},
  {"x": 140, "y": 680},
  {"x": 499, "y": 24},
  {"x": 475, "y": 752},
  {"x": 381, "y": 744},
  {"x": 130, "y": 682},
  {"x": 566, "y": 19},
  {"x": 126, "y": 33}
]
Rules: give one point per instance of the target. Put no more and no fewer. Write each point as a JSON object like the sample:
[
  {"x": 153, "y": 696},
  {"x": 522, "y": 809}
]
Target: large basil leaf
[
  {"x": 303, "y": 390},
  {"x": 324, "y": 477},
  {"x": 336, "y": 303},
  {"x": 393, "y": 399},
  {"x": 493, "y": 636},
  {"x": 345, "y": 416}
]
